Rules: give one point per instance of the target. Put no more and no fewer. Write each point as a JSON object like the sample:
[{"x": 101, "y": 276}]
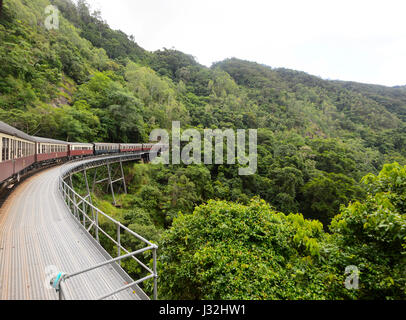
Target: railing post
[
  {"x": 97, "y": 226},
  {"x": 88, "y": 192},
  {"x": 84, "y": 215},
  {"x": 154, "y": 255},
  {"x": 118, "y": 243},
  {"x": 60, "y": 294},
  {"x": 75, "y": 206}
]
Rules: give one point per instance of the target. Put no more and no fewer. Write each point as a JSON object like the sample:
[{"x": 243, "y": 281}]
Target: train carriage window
[
  {"x": 13, "y": 149},
  {"x": 5, "y": 149}
]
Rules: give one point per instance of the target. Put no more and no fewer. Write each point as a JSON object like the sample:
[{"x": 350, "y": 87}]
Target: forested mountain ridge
[{"x": 317, "y": 139}]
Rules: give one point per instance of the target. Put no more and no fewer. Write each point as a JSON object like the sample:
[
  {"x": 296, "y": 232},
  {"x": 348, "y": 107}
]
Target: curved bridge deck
[{"x": 37, "y": 231}]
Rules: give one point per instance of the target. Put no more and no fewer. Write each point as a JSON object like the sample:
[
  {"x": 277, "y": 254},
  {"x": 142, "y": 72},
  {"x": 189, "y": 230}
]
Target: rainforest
[{"x": 329, "y": 192}]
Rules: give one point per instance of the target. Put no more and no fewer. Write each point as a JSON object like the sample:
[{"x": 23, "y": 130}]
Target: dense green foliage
[
  {"x": 231, "y": 251},
  {"x": 316, "y": 140},
  {"x": 372, "y": 235}
]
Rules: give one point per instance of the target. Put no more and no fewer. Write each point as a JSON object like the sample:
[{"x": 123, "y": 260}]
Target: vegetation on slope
[{"x": 316, "y": 140}]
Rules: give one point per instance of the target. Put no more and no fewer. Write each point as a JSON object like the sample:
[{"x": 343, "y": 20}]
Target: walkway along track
[{"x": 38, "y": 231}]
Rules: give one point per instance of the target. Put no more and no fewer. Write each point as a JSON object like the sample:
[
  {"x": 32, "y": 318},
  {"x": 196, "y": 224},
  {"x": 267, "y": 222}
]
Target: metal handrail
[{"x": 70, "y": 196}]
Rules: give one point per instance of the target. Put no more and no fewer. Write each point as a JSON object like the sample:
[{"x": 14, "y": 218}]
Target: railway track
[{"x": 38, "y": 232}]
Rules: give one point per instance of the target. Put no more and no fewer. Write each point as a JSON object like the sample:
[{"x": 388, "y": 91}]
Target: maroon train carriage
[
  {"x": 147, "y": 146},
  {"x": 50, "y": 150},
  {"x": 105, "y": 148},
  {"x": 17, "y": 152},
  {"x": 130, "y": 147},
  {"x": 159, "y": 146},
  {"x": 79, "y": 149}
]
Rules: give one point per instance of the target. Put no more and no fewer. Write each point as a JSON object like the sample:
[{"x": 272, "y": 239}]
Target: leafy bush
[{"x": 231, "y": 251}]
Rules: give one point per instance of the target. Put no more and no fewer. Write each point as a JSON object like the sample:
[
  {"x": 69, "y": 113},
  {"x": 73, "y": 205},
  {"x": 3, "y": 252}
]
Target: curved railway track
[{"x": 38, "y": 231}]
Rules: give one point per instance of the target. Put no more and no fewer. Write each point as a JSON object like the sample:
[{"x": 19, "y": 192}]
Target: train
[{"x": 22, "y": 153}]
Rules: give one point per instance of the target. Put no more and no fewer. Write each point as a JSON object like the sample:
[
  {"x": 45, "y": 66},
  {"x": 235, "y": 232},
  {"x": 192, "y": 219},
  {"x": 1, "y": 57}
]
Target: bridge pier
[{"x": 110, "y": 179}]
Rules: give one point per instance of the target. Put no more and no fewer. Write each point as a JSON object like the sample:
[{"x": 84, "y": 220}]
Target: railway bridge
[{"x": 49, "y": 234}]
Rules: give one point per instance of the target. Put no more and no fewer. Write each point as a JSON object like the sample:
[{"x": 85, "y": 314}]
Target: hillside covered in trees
[{"x": 322, "y": 198}]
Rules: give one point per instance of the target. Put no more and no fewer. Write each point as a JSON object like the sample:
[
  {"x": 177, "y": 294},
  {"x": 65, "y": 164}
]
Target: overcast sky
[{"x": 356, "y": 40}]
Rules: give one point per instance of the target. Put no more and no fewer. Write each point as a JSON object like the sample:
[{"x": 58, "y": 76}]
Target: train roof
[
  {"x": 105, "y": 143},
  {"x": 7, "y": 129},
  {"x": 126, "y": 144},
  {"x": 81, "y": 143},
  {"x": 47, "y": 140}
]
